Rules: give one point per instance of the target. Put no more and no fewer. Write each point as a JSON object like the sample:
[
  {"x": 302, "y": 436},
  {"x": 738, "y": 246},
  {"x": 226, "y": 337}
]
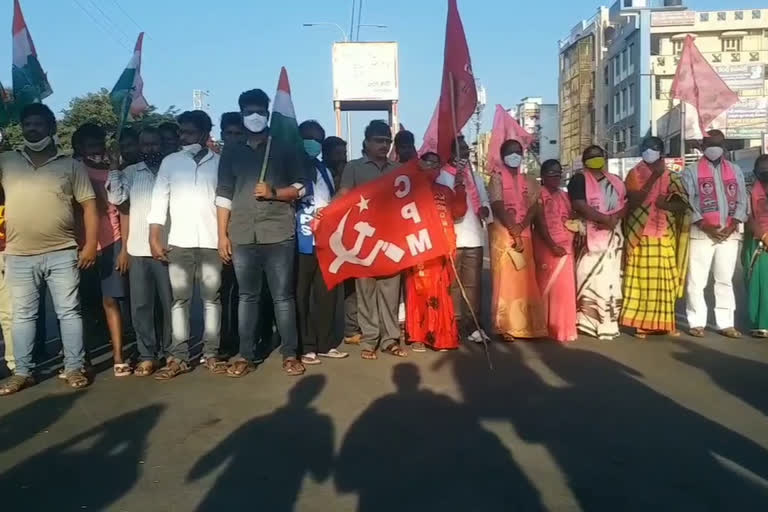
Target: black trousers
[
  {"x": 316, "y": 307},
  {"x": 351, "y": 325},
  {"x": 469, "y": 266}
]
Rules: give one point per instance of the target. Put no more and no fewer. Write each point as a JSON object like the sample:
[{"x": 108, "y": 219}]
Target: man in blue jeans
[
  {"x": 256, "y": 227},
  {"x": 41, "y": 186}
]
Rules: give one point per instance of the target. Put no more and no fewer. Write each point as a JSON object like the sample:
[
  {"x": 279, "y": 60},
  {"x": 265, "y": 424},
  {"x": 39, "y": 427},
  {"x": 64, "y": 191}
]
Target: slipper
[
  {"x": 122, "y": 370},
  {"x": 335, "y": 354}
]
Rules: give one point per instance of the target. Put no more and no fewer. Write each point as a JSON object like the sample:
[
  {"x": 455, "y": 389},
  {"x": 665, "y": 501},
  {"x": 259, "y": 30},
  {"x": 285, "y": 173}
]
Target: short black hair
[
  {"x": 715, "y": 133},
  {"x": 129, "y": 133},
  {"x": 550, "y": 163},
  {"x": 760, "y": 159},
  {"x": 510, "y": 142},
  {"x": 454, "y": 141},
  {"x": 331, "y": 143},
  {"x": 87, "y": 131},
  {"x": 199, "y": 118},
  {"x": 592, "y": 149},
  {"x": 169, "y": 126},
  {"x": 312, "y": 124},
  {"x": 230, "y": 119},
  {"x": 652, "y": 142},
  {"x": 428, "y": 154},
  {"x": 38, "y": 109},
  {"x": 253, "y": 97},
  {"x": 378, "y": 128},
  {"x": 404, "y": 137}
]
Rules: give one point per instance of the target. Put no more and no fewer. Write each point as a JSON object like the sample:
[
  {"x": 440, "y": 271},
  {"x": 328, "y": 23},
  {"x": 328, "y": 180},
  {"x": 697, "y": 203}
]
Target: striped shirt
[{"x": 134, "y": 184}]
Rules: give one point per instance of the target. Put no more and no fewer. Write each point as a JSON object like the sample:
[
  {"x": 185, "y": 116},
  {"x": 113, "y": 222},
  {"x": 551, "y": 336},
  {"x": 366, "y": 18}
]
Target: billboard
[
  {"x": 744, "y": 77},
  {"x": 673, "y": 18},
  {"x": 365, "y": 72}
]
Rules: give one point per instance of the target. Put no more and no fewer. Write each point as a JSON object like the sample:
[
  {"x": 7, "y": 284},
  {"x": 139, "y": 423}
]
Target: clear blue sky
[{"x": 228, "y": 46}]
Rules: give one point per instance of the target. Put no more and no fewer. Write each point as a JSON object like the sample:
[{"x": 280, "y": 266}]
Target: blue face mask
[{"x": 312, "y": 148}]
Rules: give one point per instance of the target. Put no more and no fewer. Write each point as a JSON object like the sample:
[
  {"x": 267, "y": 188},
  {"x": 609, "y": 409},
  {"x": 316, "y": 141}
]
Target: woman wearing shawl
[
  {"x": 656, "y": 229},
  {"x": 754, "y": 258},
  {"x": 599, "y": 199},
  {"x": 516, "y": 306},
  {"x": 553, "y": 242},
  {"x": 429, "y": 315}
]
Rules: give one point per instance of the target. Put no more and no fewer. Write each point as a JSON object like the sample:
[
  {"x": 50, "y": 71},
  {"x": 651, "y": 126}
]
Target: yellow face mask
[{"x": 597, "y": 163}]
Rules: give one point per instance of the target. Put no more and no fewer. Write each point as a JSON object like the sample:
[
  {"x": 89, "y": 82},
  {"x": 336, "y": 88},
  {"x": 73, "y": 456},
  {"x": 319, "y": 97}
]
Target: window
[
  {"x": 623, "y": 103},
  {"x": 627, "y": 3},
  {"x": 739, "y": 15},
  {"x": 606, "y": 76},
  {"x": 605, "y": 113},
  {"x": 615, "y": 70},
  {"x": 731, "y": 44},
  {"x": 631, "y": 98},
  {"x": 704, "y": 17},
  {"x": 628, "y": 138},
  {"x": 616, "y": 108},
  {"x": 624, "y": 61},
  {"x": 658, "y": 88},
  {"x": 677, "y": 46},
  {"x": 630, "y": 65},
  {"x": 756, "y": 14},
  {"x": 721, "y": 16}
]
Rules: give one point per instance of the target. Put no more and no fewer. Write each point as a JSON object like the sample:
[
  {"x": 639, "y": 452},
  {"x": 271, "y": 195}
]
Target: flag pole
[
  {"x": 123, "y": 116},
  {"x": 450, "y": 255}
]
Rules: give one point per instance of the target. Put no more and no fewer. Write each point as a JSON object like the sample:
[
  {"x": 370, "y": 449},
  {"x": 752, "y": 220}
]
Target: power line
[
  {"x": 117, "y": 4},
  {"x": 101, "y": 27},
  {"x": 110, "y": 21}
]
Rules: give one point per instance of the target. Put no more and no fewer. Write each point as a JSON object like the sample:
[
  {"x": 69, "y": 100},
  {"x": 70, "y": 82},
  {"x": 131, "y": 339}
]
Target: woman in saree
[
  {"x": 553, "y": 244},
  {"x": 656, "y": 230},
  {"x": 517, "y": 308},
  {"x": 599, "y": 200},
  {"x": 754, "y": 258}
]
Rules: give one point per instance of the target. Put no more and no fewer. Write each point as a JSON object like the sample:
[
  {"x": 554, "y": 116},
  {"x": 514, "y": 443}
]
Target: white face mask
[
  {"x": 192, "y": 149},
  {"x": 513, "y": 160},
  {"x": 714, "y": 153},
  {"x": 651, "y": 156},
  {"x": 39, "y": 145},
  {"x": 255, "y": 123}
]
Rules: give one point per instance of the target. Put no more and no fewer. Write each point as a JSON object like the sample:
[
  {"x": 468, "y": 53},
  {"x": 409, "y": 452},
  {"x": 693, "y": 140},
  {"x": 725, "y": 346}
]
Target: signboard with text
[{"x": 365, "y": 72}]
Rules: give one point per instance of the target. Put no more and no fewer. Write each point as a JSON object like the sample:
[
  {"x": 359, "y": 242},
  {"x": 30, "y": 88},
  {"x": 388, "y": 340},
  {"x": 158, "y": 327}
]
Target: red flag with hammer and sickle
[{"x": 380, "y": 228}]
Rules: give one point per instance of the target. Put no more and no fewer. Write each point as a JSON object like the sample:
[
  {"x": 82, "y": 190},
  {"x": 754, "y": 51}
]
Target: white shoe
[
  {"x": 310, "y": 359},
  {"x": 478, "y": 337},
  {"x": 335, "y": 354}
]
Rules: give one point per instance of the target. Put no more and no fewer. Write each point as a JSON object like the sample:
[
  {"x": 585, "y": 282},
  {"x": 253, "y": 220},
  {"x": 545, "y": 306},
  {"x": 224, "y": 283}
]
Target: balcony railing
[{"x": 667, "y": 64}]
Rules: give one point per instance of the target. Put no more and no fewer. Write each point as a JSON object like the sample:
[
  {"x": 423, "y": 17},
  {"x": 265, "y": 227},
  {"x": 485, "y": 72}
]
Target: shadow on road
[
  {"x": 25, "y": 422},
  {"x": 90, "y": 471},
  {"x": 743, "y": 378},
  {"x": 268, "y": 457},
  {"x": 620, "y": 444},
  {"x": 416, "y": 450}
]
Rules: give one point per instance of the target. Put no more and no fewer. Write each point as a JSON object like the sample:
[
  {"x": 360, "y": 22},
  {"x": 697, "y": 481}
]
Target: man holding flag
[{"x": 258, "y": 183}]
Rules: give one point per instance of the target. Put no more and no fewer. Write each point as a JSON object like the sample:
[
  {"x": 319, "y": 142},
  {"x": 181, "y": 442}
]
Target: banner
[{"x": 380, "y": 228}]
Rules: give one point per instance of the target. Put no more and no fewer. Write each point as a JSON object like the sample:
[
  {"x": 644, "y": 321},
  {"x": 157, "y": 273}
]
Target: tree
[{"x": 93, "y": 107}]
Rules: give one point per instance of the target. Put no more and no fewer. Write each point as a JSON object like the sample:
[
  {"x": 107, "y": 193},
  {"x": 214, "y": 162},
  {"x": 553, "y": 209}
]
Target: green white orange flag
[
  {"x": 30, "y": 84},
  {"x": 283, "y": 128},
  {"x": 127, "y": 95}
]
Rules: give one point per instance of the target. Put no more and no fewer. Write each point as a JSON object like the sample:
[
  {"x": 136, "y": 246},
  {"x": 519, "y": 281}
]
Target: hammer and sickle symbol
[{"x": 344, "y": 255}]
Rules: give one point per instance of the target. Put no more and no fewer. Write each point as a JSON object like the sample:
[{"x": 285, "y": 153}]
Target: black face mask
[
  {"x": 762, "y": 177},
  {"x": 100, "y": 164},
  {"x": 152, "y": 159}
]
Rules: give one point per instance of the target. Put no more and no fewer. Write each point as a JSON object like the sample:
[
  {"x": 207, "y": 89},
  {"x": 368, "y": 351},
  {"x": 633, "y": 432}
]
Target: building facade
[{"x": 541, "y": 120}]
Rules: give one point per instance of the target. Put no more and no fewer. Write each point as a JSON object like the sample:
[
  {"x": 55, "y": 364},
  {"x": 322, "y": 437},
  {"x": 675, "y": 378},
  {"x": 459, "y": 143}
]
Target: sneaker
[
  {"x": 310, "y": 359},
  {"x": 334, "y": 354},
  {"x": 478, "y": 337},
  {"x": 418, "y": 347}
]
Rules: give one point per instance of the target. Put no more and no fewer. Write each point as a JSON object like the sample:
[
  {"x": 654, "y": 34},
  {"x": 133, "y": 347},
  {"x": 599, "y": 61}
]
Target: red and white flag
[
  {"x": 458, "y": 93},
  {"x": 698, "y": 84},
  {"x": 505, "y": 127},
  {"x": 380, "y": 228}
]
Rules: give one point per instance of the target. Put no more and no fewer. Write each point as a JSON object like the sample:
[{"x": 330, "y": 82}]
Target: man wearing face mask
[
  {"x": 41, "y": 184},
  {"x": 754, "y": 257},
  {"x": 316, "y": 305},
  {"x": 718, "y": 199},
  {"x": 256, "y": 229},
  {"x": 185, "y": 190},
  {"x": 131, "y": 190},
  {"x": 656, "y": 249}
]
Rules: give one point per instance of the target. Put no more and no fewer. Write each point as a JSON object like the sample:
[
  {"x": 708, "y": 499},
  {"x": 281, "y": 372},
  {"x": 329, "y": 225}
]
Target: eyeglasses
[{"x": 381, "y": 140}]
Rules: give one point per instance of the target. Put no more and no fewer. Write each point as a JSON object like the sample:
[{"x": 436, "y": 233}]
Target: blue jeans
[
  {"x": 25, "y": 276},
  {"x": 252, "y": 261}
]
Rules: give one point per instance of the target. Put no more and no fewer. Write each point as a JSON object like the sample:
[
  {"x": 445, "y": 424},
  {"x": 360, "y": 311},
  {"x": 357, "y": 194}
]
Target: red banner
[{"x": 380, "y": 228}]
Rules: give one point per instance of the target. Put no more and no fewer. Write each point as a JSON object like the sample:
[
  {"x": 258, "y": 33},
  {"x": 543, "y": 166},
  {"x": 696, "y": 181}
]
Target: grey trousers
[
  {"x": 187, "y": 266},
  {"x": 377, "y": 304}
]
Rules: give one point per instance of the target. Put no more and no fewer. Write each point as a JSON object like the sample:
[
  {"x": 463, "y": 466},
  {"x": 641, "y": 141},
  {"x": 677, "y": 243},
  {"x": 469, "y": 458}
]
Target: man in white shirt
[
  {"x": 185, "y": 188},
  {"x": 470, "y": 240},
  {"x": 131, "y": 190}
]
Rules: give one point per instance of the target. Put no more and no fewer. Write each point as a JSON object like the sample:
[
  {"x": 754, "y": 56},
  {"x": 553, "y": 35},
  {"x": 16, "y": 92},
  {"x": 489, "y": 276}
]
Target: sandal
[
  {"x": 122, "y": 369},
  {"x": 696, "y": 332},
  {"x": 215, "y": 365},
  {"x": 293, "y": 367},
  {"x": 353, "y": 340},
  {"x": 15, "y": 384},
  {"x": 395, "y": 350},
  {"x": 674, "y": 333},
  {"x": 172, "y": 369},
  {"x": 240, "y": 368},
  {"x": 730, "y": 332},
  {"x": 76, "y": 379},
  {"x": 759, "y": 333},
  {"x": 145, "y": 369},
  {"x": 368, "y": 355},
  {"x": 310, "y": 359},
  {"x": 418, "y": 347},
  {"x": 334, "y": 354}
]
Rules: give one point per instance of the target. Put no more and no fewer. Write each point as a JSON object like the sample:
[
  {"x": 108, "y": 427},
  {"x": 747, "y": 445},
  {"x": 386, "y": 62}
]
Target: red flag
[
  {"x": 698, "y": 84},
  {"x": 458, "y": 95},
  {"x": 380, "y": 228},
  {"x": 505, "y": 127}
]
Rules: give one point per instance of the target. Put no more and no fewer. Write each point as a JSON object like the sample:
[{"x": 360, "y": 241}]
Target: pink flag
[
  {"x": 430, "y": 136},
  {"x": 698, "y": 84},
  {"x": 505, "y": 127}
]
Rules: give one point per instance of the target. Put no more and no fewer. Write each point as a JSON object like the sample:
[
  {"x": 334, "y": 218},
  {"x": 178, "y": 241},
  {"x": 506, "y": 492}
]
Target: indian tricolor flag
[
  {"x": 284, "y": 129},
  {"x": 127, "y": 95},
  {"x": 30, "y": 84}
]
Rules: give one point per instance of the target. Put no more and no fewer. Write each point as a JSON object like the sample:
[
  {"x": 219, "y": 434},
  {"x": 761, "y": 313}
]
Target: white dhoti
[{"x": 706, "y": 256}]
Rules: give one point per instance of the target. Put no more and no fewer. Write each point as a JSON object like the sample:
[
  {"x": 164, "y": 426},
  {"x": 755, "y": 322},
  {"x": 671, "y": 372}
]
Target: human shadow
[
  {"x": 90, "y": 471},
  {"x": 620, "y": 444},
  {"x": 268, "y": 457},
  {"x": 743, "y": 378},
  {"x": 417, "y": 450},
  {"x": 29, "y": 420}
]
